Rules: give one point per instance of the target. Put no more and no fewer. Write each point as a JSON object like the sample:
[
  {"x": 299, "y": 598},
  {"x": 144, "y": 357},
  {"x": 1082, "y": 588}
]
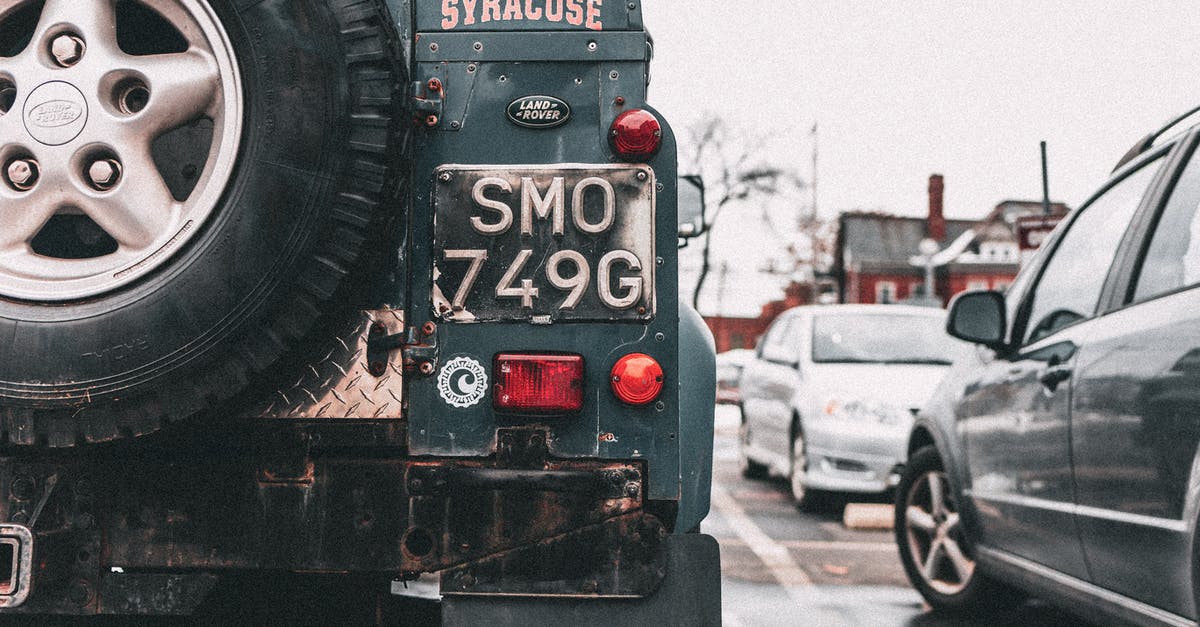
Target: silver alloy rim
[
  {"x": 72, "y": 110},
  {"x": 799, "y": 462},
  {"x": 934, "y": 535}
]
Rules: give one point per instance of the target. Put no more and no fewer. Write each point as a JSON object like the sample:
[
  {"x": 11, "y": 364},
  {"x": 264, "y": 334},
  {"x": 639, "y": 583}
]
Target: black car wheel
[
  {"x": 806, "y": 498},
  {"x": 192, "y": 190},
  {"x": 936, "y": 554},
  {"x": 749, "y": 468},
  {"x": 798, "y": 466}
]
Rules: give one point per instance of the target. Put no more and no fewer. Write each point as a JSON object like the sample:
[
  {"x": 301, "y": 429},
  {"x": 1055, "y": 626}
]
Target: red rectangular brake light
[{"x": 538, "y": 384}]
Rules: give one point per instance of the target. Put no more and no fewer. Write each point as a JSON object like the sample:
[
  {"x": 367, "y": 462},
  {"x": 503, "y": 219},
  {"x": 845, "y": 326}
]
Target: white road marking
[
  {"x": 729, "y": 619},
  {"x": 773, "y": 555},
  {"x": 818, "y": 545},
  {"x": 725, "y": 455},
  {"x": 833, "y": 527}
]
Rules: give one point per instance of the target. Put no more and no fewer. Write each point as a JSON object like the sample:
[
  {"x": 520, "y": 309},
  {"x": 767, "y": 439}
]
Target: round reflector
[
  {"x": 636, "y": 135},
  {"x": 637, "y": 379}
]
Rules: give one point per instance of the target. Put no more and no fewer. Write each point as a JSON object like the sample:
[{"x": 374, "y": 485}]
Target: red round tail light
[
  {"x": 637, "y": 379},
  {"x": 636, "y": 134}
]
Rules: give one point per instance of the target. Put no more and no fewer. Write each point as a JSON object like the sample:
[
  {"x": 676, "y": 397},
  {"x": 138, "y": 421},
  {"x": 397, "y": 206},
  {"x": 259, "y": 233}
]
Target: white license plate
[{"x": 543, "y": 244}]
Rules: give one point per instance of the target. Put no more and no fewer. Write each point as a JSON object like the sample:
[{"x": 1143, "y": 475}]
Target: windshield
[{"x": 882, "y": 338}]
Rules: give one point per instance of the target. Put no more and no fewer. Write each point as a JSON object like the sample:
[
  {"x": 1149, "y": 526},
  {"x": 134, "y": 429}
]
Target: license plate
[{"x": 544, "y": 244}]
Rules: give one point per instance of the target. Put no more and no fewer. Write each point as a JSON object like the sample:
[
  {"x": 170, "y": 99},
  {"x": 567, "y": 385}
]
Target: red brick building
[
  {"x": 872, "y": 259},
  {"x": 731, "y": 332}
]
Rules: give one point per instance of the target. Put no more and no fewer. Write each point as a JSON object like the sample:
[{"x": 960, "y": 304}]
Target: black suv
[{"x": 1059, "y": 459}]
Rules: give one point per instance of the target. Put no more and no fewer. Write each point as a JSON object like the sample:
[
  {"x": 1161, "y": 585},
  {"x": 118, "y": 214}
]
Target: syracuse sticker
[
  {"x": 462, "y": 382},
  {"x": 584, "y": 13}
]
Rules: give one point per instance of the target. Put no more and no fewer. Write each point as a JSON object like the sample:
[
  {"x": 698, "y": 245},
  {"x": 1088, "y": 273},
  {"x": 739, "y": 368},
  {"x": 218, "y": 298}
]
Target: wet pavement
[{"x": 781, "y": 566}]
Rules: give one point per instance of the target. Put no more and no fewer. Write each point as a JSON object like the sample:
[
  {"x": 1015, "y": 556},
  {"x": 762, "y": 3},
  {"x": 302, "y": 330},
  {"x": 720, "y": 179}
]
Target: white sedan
[{"x": 830, "y": 397}]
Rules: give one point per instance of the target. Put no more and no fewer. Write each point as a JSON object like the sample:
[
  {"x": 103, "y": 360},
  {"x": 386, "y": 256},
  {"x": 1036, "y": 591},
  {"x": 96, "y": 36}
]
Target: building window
[
  {"x": 885, "y": 292},
  {"x": 998, "y": 252}
]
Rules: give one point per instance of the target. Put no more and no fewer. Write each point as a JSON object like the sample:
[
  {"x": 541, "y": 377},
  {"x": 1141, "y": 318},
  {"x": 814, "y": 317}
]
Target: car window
[
  {"x": 1016, "y": 291},
  {"x": 1173, "y": 259},
  {"x": 775, "y": 346},
  {"x": 1070, "y": 284},
  {"x": 883, "y": 339}
]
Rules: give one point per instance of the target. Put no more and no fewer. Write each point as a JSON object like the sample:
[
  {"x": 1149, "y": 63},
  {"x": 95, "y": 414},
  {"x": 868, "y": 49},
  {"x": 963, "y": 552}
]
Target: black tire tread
[
  {"x": 982, "y": 595},
  {"x": 375, "y": 127}
]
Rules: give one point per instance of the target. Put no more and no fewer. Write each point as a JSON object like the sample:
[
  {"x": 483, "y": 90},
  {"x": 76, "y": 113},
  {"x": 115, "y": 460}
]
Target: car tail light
[
  {"x": 538, "y": 384},
  {"x": 637, "y": 379},
  {"x": 636, "y": 135}
]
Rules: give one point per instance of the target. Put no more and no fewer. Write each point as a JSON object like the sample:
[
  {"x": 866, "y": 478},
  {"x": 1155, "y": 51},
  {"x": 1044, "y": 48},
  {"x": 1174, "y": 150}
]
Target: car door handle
[{"x": 1054, "y": 375}]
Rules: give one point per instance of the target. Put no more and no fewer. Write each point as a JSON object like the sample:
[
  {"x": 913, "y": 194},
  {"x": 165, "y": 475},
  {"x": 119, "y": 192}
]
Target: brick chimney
[
  {"x": 935, "y": 224},
  {"x": 797, "y": 294}
]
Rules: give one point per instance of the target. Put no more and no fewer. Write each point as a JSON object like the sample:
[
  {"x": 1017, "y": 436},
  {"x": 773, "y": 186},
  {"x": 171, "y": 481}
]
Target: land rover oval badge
[{"x": 538, "y": 112}]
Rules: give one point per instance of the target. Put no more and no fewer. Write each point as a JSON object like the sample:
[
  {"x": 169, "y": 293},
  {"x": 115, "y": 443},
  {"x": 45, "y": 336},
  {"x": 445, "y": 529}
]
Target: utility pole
[
  {"x": 1045, "y": 184},
  {"x": 813, "y": 215}
]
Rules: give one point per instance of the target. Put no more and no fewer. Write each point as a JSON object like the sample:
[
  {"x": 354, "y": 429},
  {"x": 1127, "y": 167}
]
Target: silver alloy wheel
[
  {"x": 107, "y": 105},
  {"x": 934, "y": 536},
  {"x": 799, "y": 463}
]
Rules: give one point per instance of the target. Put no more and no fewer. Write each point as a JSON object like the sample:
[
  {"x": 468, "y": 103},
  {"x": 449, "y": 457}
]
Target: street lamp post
[
  {"x": 928, "y": 248},
  {"x": 932, "y": 256}
]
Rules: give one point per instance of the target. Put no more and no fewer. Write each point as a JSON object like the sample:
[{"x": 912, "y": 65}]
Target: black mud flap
[{"x": 690, "y": 594}]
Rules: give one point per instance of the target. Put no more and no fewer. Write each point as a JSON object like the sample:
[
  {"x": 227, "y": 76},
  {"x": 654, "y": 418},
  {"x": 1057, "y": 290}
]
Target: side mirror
[
  {"x": 978, "y": 317},
  {"x": 691, "y": 206}
]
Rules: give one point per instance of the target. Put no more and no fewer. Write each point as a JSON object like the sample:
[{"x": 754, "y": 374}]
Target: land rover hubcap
[
  {"x": 88, "y": 113},
  {"x": 55, "y": 113}
]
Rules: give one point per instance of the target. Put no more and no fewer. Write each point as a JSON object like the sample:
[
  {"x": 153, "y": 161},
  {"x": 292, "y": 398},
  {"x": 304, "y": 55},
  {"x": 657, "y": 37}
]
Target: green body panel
[
  {"x": 599, "y": 74},
  {"x": 697, "y": 404},
  {"x": 528, "y": 15}
]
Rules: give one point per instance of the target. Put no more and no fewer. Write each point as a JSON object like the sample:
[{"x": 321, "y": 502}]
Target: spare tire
[{"x": 192, "y": 190}]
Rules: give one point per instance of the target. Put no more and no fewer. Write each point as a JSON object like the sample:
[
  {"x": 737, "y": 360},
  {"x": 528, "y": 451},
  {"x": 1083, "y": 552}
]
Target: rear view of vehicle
[{"x": 375, "y": 288}]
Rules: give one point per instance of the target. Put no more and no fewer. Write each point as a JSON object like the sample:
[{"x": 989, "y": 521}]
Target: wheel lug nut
[
  {"x": 67, "y": 49},
  {"x": 23, "y": 174},
  {"x": 104, "y": 174}
]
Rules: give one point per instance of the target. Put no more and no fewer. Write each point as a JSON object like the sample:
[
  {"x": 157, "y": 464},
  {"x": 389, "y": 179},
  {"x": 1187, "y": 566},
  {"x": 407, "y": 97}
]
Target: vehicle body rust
[
  {"x": 291, "y": 504},
  {"x": 387, "y": 455}
]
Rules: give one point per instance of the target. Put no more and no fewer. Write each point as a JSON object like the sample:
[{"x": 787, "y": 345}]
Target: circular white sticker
[{"x": 462, "y": 382}]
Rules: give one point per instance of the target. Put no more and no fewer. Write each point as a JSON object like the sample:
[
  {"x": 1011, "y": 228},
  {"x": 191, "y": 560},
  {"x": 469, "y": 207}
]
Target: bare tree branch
[{"x": 730, "y": 163}]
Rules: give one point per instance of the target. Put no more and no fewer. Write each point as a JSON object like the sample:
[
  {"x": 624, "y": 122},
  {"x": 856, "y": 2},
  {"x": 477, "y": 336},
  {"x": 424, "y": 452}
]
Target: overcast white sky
[
  {"x": 901, "y": 90},
  {"x": 904, "y": 89}
]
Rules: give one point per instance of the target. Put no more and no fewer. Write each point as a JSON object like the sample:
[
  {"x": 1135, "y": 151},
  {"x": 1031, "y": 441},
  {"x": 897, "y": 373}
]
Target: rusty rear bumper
[
  {"x": 104, "y": 523},
  {"x": 690, "y": 594}
]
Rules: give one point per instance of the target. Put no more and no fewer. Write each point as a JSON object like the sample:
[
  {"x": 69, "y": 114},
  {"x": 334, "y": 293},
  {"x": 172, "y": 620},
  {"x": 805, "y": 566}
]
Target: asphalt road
[{"x": 780, "y": 566}]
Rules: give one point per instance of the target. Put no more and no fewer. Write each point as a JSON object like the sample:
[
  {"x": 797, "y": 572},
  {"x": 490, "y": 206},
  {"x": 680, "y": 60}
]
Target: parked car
[
  {"x": 729, "y": 374},
  {"x": 300, "y": 298},
  {"x": 1060, "y": 458},
  {"x": 829, "y": 399}
]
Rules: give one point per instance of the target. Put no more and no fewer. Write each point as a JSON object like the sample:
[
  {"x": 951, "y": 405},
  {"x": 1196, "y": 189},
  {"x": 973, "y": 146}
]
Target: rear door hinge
[
  {"x": 417, "y": 345},
  {"x": 426, "y": 101}
]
